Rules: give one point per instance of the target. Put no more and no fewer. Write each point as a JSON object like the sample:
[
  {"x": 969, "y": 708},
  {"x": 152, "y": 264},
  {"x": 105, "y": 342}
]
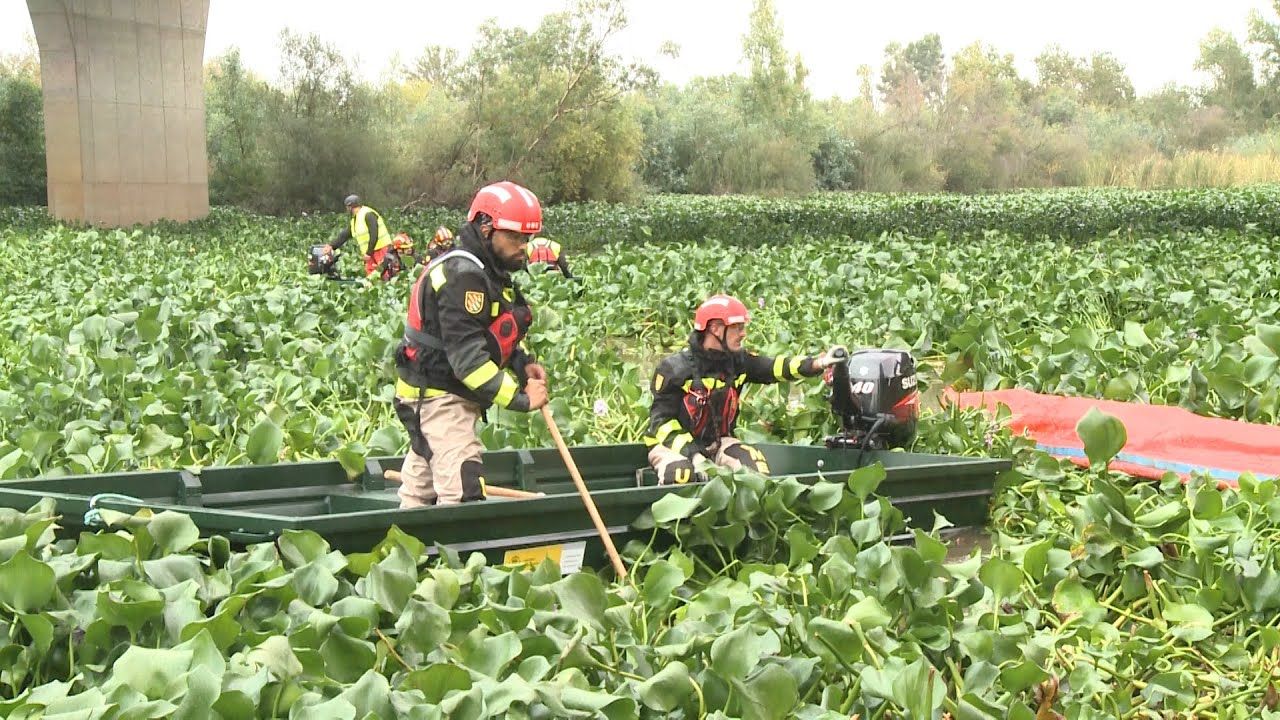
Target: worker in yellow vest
[
  {"x": 549, "y": 253},
  {"x": 370, "y": 233}
]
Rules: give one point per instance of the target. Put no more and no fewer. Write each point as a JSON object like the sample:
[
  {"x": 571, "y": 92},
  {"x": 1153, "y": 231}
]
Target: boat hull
[{"x": 250, "y": 504}]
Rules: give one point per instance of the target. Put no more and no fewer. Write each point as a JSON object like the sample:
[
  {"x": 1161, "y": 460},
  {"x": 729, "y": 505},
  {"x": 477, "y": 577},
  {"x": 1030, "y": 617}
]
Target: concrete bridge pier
[{"x": 123, "y": 88}]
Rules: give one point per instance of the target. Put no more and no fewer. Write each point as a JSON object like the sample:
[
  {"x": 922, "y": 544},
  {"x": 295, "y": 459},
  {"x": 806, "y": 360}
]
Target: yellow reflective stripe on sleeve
[
  {"x": 796, "y": 362},
  {"x": 509, "y": 294},
  {"x": 657, "y": 382},
  {"x": 405, "y": 391},
  {"x": 680, "y": 441},
  {"x": 777, "y": 367},
  {"x": 437, "y": 277},
  {"x": 740, "y": 380},
  {"x": 507, "y": 392},
  {"x": 650, "y": 440},
  {"x": 665, "y": 430},
  {"x": 481, "y": 375}
]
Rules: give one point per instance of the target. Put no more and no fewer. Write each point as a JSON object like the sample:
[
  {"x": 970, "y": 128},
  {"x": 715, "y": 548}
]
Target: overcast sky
[{"x": 1156, "y": 40}]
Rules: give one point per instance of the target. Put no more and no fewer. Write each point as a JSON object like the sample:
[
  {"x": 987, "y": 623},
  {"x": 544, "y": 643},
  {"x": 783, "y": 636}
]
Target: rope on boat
[{"x": 94, "y": 517}]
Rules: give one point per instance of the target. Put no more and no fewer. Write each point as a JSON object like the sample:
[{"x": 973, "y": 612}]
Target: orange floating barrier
[{"x": 1162, "y": 438}]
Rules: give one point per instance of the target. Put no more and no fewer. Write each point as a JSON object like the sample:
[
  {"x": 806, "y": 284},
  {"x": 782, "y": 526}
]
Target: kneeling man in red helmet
[{"x": 696, "y": 391}]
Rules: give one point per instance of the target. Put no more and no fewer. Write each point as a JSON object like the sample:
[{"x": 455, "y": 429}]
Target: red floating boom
[{"x": 1162, "y": 438}]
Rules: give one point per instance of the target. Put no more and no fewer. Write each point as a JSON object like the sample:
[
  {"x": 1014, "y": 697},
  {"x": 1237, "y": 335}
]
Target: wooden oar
[
  {"x": 492, "y": 490},
  {"x": 618, "y": 567}
]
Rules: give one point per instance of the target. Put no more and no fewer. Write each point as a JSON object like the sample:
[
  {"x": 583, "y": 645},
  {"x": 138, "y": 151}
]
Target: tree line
[{"x": 556, "y": 110}]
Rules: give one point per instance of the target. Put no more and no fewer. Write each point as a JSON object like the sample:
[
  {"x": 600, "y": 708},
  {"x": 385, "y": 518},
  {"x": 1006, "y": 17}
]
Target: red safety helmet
[
  {"x": 510, "y": 206},
  {"x": 442, "y": 238},
  {"x": 725, "y": 308},
  {"x": 402, "y": 242}
]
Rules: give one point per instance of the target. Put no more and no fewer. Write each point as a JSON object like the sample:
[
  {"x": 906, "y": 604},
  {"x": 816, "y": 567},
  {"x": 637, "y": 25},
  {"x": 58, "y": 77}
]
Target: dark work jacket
[
  {"x": 696, "y": 393},
  {"x": 473, "y": 320}
]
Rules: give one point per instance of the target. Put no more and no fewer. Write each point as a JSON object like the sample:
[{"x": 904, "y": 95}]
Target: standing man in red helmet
[
  {"x": 696, "y": 392},
  {"x": 460, "y": 354}
]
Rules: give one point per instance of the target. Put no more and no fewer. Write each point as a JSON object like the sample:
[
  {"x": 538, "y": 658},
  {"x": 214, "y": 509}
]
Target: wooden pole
[
  {"x": 618, "y": 567},
  {"x": 492, "y": 490}
]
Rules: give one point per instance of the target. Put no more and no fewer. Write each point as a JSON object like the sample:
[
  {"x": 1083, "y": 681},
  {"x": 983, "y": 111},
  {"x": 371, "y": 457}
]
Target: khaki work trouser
[
  {"x": 730, "y": 452},
  {"x": 449, "y": 424}
]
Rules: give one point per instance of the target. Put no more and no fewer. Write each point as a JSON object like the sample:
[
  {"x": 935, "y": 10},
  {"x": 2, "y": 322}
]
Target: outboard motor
[
  {"x": 874, "y": 394},
  {"x": 320, "y": 262}
]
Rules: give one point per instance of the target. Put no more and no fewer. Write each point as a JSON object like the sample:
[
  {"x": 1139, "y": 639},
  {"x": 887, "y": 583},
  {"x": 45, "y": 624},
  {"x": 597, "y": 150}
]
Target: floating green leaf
[
  {"x": 26, "y": 584},
  {"x": 264, "y": 442},
  {"x": 1103, "y": 436}
]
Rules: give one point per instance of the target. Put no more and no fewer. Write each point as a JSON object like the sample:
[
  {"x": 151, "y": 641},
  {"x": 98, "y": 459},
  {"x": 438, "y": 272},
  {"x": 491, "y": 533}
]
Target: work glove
[{"x": 837, "y": 353}]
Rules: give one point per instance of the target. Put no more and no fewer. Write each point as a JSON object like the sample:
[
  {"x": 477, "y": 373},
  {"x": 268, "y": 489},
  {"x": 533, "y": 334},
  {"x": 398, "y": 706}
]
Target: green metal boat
[{"x": 250, "y": 504}]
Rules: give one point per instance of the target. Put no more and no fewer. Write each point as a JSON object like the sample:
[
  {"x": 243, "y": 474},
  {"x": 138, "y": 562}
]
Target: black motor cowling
[
  {"x": 320, "y": 262},
  {"x": 875, "y": 396}
]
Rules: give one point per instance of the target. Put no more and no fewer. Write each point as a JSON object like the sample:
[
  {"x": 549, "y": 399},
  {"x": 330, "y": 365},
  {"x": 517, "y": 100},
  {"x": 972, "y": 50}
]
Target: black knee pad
[
  {"x": 677, "y": 472},
  {"x": 411, "y": 418},
  {"x": 751, "y": 458},
  {"x": 472, "y": 481}
]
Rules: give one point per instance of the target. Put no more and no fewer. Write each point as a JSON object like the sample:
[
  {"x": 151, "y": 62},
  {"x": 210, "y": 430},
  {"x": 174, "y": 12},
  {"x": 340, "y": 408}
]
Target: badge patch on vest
[{"x": 473, "y": 302}]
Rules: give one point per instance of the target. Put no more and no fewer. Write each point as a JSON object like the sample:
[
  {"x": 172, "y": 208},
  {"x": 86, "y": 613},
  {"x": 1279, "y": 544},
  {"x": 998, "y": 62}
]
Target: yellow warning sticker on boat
[{"x": 567, "y": 555}]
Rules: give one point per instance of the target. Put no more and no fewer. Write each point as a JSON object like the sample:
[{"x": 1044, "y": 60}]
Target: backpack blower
[{"x": 324, "y": 263}]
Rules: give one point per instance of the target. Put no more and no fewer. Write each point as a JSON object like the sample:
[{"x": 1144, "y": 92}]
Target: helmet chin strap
[{"x": 722, "y": 337}]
